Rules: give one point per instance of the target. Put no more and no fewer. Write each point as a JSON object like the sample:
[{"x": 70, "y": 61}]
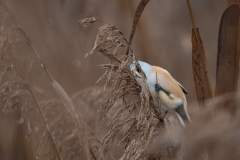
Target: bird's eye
[{"x": 138, "y": 70}]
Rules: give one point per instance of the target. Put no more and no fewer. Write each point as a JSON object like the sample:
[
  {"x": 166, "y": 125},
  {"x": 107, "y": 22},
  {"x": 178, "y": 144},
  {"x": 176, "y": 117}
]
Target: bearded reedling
[{"x": 171, "y": 93}]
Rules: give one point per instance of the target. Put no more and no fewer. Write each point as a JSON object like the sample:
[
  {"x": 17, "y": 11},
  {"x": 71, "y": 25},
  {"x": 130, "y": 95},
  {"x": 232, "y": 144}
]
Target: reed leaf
[
  {"x": 199, "y": 66},
  {"x": 228, "y": 56}
]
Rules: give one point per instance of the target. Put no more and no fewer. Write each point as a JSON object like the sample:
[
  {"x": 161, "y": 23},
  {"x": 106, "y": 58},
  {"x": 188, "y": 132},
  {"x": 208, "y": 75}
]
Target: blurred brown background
[{"x": 163, "y": 38}]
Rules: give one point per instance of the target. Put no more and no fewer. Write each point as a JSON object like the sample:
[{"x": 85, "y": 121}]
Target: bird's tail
[
  {"x": 183, "y": 115},
  {"x": 182, "y": 121}
]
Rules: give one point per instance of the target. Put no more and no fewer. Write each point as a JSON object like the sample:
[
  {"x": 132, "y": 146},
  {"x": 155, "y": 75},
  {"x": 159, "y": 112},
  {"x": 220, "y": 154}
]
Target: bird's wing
[{"x": 183, "y": 89}]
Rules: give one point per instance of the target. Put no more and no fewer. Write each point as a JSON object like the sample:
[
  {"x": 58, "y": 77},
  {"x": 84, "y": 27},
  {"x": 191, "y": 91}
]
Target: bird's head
[{"x": 137, "y": 70}]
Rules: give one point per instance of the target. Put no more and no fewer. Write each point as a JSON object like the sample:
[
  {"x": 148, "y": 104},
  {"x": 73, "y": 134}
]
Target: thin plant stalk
[{"x": 61, "y": 93}]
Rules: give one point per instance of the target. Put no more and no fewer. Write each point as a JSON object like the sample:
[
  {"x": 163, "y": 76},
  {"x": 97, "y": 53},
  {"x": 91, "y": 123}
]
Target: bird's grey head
[{"x": 136, "y": 69}]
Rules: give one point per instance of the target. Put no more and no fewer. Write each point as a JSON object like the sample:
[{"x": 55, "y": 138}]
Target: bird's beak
[{"x": 133, "y": 69}]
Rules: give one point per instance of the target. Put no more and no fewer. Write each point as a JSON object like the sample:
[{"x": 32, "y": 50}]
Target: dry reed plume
[{"x": 145, "y": 123}]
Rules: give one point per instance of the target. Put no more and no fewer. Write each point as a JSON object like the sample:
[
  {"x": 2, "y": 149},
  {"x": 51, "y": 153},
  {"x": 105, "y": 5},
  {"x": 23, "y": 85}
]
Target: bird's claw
[
  {"x": 165, "y": 114},
  {"x": 157, "y": 88}
]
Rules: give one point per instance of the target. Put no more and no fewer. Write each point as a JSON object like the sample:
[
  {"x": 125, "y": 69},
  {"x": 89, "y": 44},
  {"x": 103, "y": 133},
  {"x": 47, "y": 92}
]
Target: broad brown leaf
[
  {"x": 228, "y": 56},
  {"x": 199, "y": 69},
  {"x": 231, "y": 2}
]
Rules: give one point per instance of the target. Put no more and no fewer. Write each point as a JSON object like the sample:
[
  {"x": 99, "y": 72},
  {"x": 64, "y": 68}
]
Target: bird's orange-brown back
[{"x": 169, "y": 82}]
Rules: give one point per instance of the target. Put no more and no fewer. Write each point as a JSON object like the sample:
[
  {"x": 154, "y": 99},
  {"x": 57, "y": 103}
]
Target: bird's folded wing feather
[
  {"x": 164, "y": 73},
  {"x": 183, "y": 89}
]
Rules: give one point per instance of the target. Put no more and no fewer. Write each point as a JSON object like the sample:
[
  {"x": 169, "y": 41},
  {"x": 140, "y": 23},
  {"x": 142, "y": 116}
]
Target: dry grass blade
[
  {"x": 17, "y": 90},
  {"x": 228, "y": 57},
  {"x": 137, "y": 16},
  {"x": 47, "y": 127},
  {"x": 138, "y": 112},
  {"x": 77, "y": 117},
  {"x": 79, "y": 122},
  {"x": 65, "y": 131}
]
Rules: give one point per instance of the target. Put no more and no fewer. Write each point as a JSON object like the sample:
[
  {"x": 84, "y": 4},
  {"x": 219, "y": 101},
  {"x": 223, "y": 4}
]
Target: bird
[{"x": 171, "y": 92}]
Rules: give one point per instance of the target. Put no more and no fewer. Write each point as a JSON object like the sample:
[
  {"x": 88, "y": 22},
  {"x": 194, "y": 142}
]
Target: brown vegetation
[{"x": 117, "y": 120}]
